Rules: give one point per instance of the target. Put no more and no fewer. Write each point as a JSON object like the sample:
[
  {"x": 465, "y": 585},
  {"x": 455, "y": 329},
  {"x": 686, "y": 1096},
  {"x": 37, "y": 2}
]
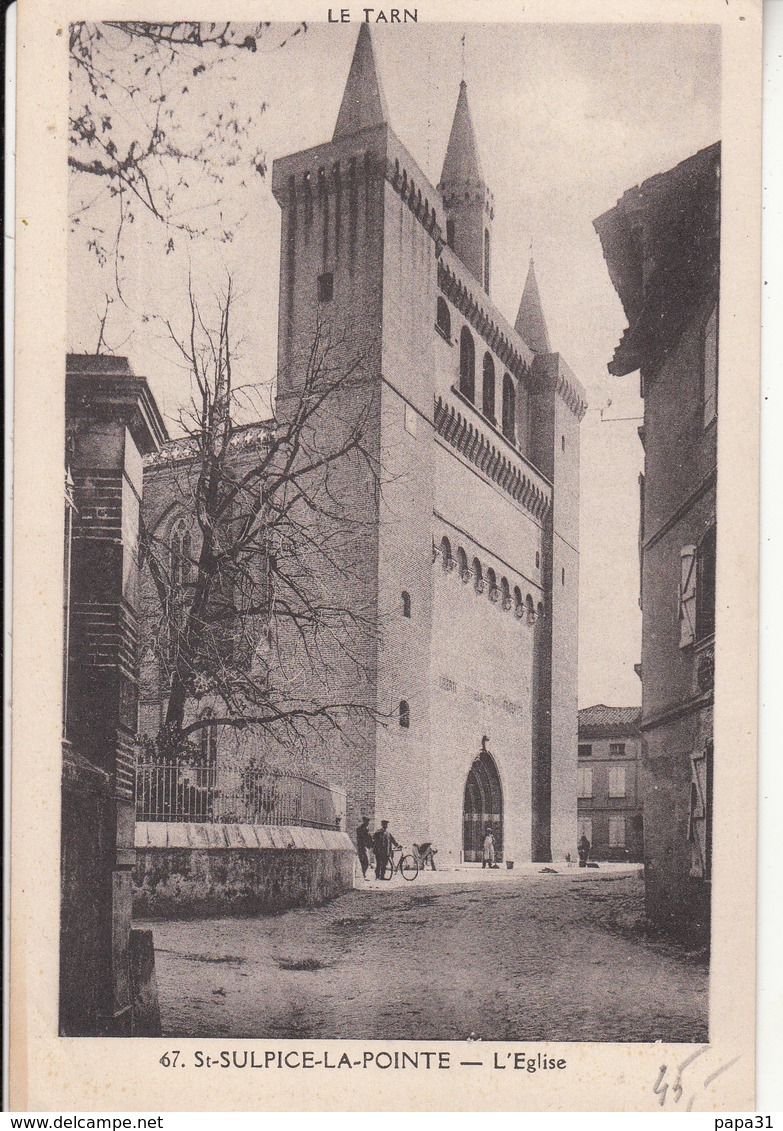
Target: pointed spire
[
  {"x": 363, "y": 101},
  {"x": 462, "y": 161},
  {"x": 530, "y": 323}
]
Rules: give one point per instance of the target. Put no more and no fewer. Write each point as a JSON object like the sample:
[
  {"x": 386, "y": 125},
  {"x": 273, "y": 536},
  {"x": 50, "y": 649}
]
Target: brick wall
[{"x": 111, "y": 419}]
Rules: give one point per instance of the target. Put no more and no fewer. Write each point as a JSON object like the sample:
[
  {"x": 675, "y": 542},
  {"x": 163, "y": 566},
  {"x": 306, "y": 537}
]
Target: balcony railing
[{"x": 212, "y": 795}]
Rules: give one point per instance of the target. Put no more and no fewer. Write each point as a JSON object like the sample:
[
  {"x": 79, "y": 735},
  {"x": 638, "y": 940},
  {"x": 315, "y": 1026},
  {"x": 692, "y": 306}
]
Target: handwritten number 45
[
  {"x": 169, "y": 1059},
  {"x": 662, "y": 1086}
]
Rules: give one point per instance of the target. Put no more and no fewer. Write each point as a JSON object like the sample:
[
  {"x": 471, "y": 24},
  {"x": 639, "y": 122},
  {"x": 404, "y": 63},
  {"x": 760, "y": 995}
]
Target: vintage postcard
[{"x": 386, "y": 506}]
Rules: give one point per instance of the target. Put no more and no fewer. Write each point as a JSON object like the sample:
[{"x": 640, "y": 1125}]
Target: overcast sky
[{"x": 567, "y": 118}]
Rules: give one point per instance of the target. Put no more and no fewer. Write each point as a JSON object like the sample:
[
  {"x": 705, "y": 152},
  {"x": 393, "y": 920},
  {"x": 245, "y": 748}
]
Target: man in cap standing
[
  {"x": 383, "y": 844},
  {"x": 363, "y": 844}
]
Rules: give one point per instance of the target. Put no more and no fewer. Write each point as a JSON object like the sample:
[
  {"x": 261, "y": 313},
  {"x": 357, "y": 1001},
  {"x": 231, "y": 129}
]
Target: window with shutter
[
  {"x": 687, "y": 595},
  {"x": 617, "y": 832},
  {"x": 617, "y": 781},
  {"x": 585, "y": 781}
]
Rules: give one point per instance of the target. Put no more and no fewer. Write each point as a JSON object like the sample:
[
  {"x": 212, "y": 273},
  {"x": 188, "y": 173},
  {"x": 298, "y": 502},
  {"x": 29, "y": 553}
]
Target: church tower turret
[
  {"x": 469, "y": 204},
  {"x": 364, "y": 103},
  {"x": 530, "y": 323}
]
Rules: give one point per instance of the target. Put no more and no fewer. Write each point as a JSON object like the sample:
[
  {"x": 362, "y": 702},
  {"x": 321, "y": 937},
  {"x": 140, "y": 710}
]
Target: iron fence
[{"x": 217, "y": 795}]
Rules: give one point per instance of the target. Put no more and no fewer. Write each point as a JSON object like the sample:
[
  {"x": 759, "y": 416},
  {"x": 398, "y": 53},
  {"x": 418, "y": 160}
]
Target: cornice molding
[
  {"x": 468, "y": 193},
  {"x": 709, "y": 481},
  {"x": 571, "y": 395},
  {"x": 466, "y": 302},
  {"x": 677, "y": 711},
  {"x": 470, "y": 442},
  {"x": 404, "y": 185},
  {"x": 250, "y": 437}
]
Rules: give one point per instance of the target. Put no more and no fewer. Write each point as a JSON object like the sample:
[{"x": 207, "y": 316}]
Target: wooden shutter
[
  {"x": 699, "y": 816},
  {"x": 687, "y": 596},
  {"x": 617, "y": 781}
]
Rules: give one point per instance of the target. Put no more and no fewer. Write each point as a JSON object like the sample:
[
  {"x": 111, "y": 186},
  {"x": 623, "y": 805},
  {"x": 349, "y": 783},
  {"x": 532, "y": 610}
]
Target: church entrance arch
[{"x": 483, "y": 805}]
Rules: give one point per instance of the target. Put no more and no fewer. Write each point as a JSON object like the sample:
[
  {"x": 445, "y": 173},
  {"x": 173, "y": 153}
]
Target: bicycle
[{"x": 405, "y": 865}]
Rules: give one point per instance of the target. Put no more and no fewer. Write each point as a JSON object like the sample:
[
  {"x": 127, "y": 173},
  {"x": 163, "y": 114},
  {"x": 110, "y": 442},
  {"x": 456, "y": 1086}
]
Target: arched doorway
[{"x": 483, "y": 806}]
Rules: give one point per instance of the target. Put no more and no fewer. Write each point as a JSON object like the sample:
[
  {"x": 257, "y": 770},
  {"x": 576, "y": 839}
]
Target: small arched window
[
  {"x": 404, "y": 714},
  {"x": 406, "y": 603},
  {"x": 450, "y": 233},
  {"x": 467, "y": 364},
  {"x": 462, "y": 566},
  {"x": 509, "y": 409},
  {"x": 505, "y": 592},
  {"x": 478, "y": 576},
  {"x": 443, "y": 318},
  {"x": 208, "y": 742},
  {"x": 530, "y": 609},
  {"x": 446, "y": 559},
  {"x": 180, "y": 547},
  {"x": 492, "y": 585},
  {"x": 538, "y": 560},
  {"x": 488, "y": 388},
  {"x": 519, "y": 607}
]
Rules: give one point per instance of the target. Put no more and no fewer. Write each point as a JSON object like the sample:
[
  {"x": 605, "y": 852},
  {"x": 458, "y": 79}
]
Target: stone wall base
[{"x": 199, "y": 870}]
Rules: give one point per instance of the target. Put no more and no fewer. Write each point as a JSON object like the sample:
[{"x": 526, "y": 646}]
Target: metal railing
[{"x": 208, "y": 794}]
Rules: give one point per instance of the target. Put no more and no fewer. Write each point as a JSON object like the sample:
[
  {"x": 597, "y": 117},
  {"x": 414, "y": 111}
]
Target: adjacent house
[
  {"x": 609, "y": 806},
  {"x": 112, "y": 422},
  {"x": 661, "y": 243}
]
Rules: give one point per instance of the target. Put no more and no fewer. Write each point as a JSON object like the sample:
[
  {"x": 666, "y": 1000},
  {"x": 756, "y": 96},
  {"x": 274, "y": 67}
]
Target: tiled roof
[
  {"x": 661, "y": 243},
  {"x": 601, "y": 721}
]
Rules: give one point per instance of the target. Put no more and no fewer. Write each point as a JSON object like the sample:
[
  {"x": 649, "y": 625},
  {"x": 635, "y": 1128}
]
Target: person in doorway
[
  {"x": 364, "y": 844},
  {"x": 583, "y": 848},
  {"x": 488, "y": 850},
  {"x": 383, "y": 844}
]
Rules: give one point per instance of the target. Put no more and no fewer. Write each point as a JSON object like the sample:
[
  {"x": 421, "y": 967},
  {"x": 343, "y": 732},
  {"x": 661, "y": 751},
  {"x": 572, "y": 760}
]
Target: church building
[{"x": 467, "y": 563}]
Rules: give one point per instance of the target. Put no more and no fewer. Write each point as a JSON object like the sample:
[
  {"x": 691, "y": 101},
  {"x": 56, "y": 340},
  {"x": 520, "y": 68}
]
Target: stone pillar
[{"x": 112, "y": 422}]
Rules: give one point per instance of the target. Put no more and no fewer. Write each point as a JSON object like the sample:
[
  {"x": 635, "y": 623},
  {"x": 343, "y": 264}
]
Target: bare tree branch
[{"x": 255, "y": 607}]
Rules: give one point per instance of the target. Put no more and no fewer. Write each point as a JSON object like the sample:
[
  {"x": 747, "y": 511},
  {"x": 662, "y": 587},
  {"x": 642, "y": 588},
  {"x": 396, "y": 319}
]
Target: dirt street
[{"x": 536, "y": 957}]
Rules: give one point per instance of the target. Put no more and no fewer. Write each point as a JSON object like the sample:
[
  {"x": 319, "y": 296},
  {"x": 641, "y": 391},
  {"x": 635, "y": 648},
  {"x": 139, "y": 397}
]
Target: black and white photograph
[{"x": 389, "y": 401}]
